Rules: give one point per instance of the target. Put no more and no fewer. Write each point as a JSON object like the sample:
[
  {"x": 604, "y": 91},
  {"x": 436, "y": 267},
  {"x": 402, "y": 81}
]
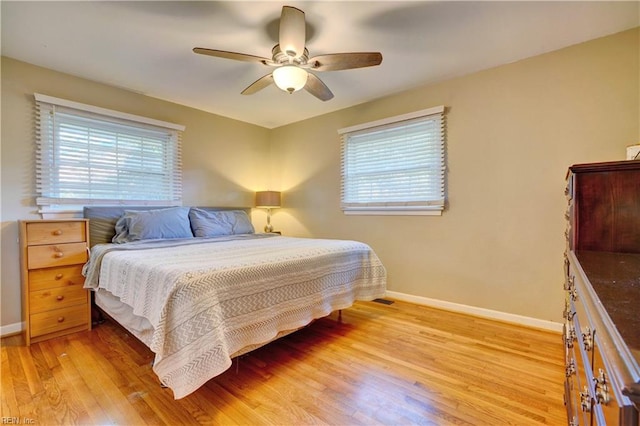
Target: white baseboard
[
  {"x": 480, "y": 312},
  {"x": 6, "y": 330},
  {"x": 15, "y": 328}
]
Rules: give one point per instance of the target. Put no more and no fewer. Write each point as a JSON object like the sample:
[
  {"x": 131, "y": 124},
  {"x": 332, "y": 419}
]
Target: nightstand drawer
[
  {"x": 58, "y": 319},
  {"x": 63, "y": 276},
  {"x": 55, "y": 298},
  {"x": 55, "y": 232},
  {"x": 52, "y": 254},
  {"x": 47, "y": 256}
]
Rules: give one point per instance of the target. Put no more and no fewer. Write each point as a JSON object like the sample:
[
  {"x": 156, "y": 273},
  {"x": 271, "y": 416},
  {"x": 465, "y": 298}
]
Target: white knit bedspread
[{"x": 210, "y": 300}]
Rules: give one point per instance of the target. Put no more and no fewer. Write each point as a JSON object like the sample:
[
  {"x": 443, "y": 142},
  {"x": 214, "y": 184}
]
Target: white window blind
[
  {"x": 395, "y": 166},
  {"x": 89, "y": 155}
]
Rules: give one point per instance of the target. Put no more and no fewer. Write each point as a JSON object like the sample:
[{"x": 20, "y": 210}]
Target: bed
[{"x": 199, "y": 287}]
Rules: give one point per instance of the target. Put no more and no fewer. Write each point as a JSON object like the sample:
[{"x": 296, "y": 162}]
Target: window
[
  {"x": 90, "y": 155},
  {"x": 395, "y": 166}
]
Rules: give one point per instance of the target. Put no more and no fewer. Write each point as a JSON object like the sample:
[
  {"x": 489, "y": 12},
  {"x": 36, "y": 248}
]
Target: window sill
[{"x": 393, "y": 212}]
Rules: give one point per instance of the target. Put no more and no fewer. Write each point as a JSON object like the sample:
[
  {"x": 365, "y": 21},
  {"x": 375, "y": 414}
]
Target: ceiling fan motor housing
[{"x": 281, "y": 58}]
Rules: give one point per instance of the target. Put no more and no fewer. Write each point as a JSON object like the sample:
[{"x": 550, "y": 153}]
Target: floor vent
[{"x": 383, "y": 301}]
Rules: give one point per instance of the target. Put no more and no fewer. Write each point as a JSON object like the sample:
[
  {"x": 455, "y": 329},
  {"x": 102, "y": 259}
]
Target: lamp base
[{"x": 268, "y": 227}]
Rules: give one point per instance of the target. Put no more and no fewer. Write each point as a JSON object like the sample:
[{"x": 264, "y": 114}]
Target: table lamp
[{"x": 268, "y": 200}]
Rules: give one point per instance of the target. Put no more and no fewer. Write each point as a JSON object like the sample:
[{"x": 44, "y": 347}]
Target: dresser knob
[
  {"x": 57, "y": 232},
  {"x": 60, "y": 298},
  {"x": 59, "y": 254},
  {"x": 58, "y": 276},
  {"x": 60, "y": 319}
]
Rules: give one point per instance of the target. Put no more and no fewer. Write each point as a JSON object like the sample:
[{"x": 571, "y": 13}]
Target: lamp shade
[
  {"x": 268, "y": 199},
  {"x": 290, "y": 78}
]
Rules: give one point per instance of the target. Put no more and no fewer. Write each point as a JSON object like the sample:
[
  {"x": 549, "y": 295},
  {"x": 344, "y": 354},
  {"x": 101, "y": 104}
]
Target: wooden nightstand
[{"x": 54, "y": 302}]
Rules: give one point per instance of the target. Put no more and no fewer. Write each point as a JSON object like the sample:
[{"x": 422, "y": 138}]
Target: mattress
[{"x": 198, "y": 302}]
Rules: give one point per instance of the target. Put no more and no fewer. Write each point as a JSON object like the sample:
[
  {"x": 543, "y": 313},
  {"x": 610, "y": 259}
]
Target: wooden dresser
[
  {"x": 602, "y": 283},
  {"x": 54, "y": 302}
]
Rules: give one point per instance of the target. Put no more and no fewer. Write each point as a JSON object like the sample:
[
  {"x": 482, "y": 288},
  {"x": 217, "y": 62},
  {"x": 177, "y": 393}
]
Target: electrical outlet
[{"x": 633, "y": 152}]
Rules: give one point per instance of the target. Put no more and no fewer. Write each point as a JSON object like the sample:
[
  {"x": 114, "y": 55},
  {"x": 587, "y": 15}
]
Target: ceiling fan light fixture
[{"x": 290, "y": 78}]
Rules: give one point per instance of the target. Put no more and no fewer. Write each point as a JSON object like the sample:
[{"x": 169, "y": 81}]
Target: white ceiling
[{"x": 146, "y": 46}]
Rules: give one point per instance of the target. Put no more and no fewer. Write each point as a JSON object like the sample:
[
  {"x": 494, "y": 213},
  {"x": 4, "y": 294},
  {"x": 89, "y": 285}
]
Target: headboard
[{"x": 102, "y": 219}]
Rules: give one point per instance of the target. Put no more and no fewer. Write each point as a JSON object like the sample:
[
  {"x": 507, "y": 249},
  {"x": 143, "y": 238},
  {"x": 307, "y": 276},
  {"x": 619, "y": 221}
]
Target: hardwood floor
[{"x": 395, "y": 364}]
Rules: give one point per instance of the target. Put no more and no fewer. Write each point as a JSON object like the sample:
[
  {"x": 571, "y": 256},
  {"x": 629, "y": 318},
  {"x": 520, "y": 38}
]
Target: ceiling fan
[{"x": 291, "y": 62}]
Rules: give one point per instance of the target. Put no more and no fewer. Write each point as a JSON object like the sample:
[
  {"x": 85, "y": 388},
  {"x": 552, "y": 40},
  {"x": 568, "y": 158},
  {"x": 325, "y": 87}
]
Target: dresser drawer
[
  {"x": 55, "y": 232},
  {"x": 612, "y": 407},
  {"x": 46, "y": 256},
  {"x": 604, "y": 369},
  {"x": 55, "y": 298},
  {"x": 58, "y": 319},
  {"x": 63, "y": 276},
  {"x": 577, "y": 400},
  {"x": 579, "y": 385}
]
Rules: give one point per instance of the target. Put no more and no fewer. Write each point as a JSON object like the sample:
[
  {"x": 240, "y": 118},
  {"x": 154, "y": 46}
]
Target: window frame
[
  {"x": 47, "y": 138},
  {"x": 409, "y": 208}
]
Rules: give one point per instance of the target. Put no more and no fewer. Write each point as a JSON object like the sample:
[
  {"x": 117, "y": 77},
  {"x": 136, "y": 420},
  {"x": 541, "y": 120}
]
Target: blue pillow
[
  {"x": 135, "y": 225},
  {"x": 206, "y": 223}
]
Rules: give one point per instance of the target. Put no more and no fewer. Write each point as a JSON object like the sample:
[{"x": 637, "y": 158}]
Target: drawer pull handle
[
  {"x": 57, "y": 232},
  {"x": 601, "y": 389},
  {"x": 571, "y": 288},
  {"x": 585, "y": 400},
  {"x": 570, "y": 368},
  {"x": 60, "y": 319},
  {"x": 602, "y": 395},
  {"x": 587, "y": 339},
  {"x": 59, "y": 276},
  {"x": 568, "y": 313},
  {"x": 60, "y": 298},
  {"x": 59, "y": 254},
  {"x": 570, "y": 336}
]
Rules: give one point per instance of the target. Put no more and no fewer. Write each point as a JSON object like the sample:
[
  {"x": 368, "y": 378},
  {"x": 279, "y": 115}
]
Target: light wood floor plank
[{"x": 378, "y": 365}]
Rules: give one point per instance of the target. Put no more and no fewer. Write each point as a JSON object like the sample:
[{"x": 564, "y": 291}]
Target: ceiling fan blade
[
  {"x": 292, "y": 32},
  {"x": 231, "y": 55},
  {"x": 317, "y": 88},
  {"x": 258, "y": 85},
  {"x": 345, "y": 61}
]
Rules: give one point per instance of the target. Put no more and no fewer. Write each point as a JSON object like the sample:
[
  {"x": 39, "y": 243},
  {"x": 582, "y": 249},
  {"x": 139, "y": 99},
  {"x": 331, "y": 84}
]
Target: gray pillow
[
  {"x": 207, "y": 223},
  {"x": 135, "y": 225}
]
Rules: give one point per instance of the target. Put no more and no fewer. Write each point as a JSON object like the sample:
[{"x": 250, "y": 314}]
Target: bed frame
[{"x": 333, "y": 287}]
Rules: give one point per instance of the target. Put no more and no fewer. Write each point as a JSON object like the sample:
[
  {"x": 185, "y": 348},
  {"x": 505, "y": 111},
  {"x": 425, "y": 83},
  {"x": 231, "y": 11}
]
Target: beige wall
[
  {"x": 223, "y": 159},
  {"x": 512, "y": 133}
]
